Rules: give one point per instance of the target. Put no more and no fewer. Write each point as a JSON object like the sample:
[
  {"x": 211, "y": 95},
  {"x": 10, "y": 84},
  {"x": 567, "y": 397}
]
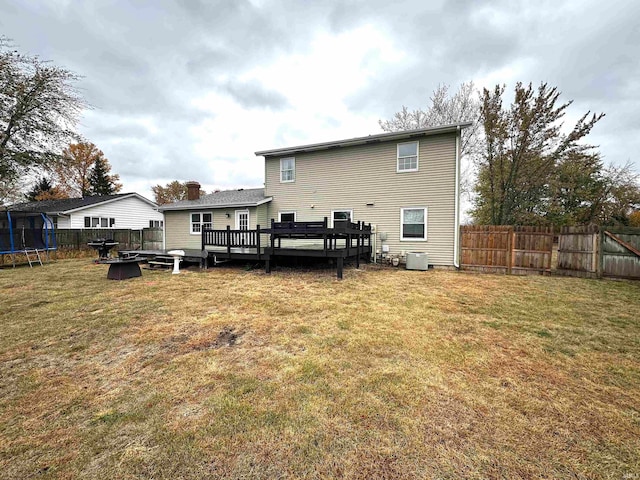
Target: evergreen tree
[
  {"x": 42, "y": 185},
  {"x": 100, "y": 182}
]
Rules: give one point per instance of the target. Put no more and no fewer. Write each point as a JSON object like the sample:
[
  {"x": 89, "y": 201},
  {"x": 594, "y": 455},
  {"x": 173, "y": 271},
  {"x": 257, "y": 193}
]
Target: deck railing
[
  {"x": 342, "y": 234},
  {"x": 348, "y": 234},
  {"x": 231, "y": 238}
]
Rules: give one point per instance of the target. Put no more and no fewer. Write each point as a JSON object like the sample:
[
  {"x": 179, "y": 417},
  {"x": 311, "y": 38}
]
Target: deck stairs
[{"x": 161, "y": 261}]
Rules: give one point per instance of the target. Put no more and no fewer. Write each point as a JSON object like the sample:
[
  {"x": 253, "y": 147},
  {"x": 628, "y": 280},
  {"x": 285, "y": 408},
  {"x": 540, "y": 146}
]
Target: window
[
  {"x": 155, "y": 223},
  {"x": 413, "y": 223},
  {"x": 338, "y": 216},
  {"x": 201, "y": 221},
  {"x": 287, "y": 170},
  {"x": 408, "y": 157},
  {"x": 286, "y": 216},
  {"x": 99, "y": 222}
]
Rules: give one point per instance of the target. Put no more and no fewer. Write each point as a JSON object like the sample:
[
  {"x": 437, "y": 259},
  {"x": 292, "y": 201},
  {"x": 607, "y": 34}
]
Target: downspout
[{"x": 456, "y": 235}]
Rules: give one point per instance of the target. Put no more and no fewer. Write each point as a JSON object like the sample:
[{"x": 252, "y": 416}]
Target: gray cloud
[
  {"x": 153, "y": 61},
  {"x": 253, "y": 95}
]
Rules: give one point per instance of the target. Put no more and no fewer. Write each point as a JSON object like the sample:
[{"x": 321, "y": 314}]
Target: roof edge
[
  {"x": 382, "y": 137},
  {"x": 111, "y": 200},
  {"x": 201, "y": 206}
]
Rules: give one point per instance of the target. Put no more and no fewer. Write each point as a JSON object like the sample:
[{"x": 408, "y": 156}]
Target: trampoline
[{"x": 27, "y": 233}]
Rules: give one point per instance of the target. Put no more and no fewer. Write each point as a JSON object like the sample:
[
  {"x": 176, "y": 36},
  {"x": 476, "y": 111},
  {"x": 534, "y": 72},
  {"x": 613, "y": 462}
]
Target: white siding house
[{"x": 127, "y": 210}]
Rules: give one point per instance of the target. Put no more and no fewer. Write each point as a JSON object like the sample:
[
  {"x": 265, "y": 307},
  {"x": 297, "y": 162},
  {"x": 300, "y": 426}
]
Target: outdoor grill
[{"x": 102, "y": 245}]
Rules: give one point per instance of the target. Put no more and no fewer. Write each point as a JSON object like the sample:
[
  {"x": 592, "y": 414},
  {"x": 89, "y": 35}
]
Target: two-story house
[{"x": 406, "y": 184}]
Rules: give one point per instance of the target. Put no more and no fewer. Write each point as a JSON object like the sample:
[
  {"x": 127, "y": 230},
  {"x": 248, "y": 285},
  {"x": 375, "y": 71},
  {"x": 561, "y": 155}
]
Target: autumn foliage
[{"x": 84, "y": 170}]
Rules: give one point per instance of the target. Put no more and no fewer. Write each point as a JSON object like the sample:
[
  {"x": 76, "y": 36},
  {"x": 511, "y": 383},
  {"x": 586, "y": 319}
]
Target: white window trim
[
  {"x": 426, "y": 222},
  {"x": 237, "y": 218},
  {"x": 398, "y": 158},
  {"x": 294, "y": 170},
  {"x": 191, "y": 224},
  {"x": 350, "y": 210},
  {"x": 100, "y": 218},
  {"x": 295, "y": 215}
]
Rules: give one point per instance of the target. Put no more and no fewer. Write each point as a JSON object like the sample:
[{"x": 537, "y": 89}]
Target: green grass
[{"x": 386, "y": 374}]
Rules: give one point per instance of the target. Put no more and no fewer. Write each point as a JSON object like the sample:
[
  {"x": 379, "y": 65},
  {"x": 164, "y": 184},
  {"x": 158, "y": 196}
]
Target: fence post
[
  {"x": 600, "y": 272},
  {"x": 510, "y": 249}
]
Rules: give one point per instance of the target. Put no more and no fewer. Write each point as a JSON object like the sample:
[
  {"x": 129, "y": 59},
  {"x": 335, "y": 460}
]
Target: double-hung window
[
  {"x": 287, "y": 170},
  {"x": 99, "y": 222},
  {"x": 408, "y": 157},
  {"x": 286, "y": 216},
  {"x": 201, "y": 221},
  {"x": 341, "y": 216},
  {"x": 413, "y": 223}
]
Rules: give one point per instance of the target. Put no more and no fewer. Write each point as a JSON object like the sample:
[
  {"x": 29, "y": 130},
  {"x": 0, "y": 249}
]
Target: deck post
[
  {"x": 358, "y": 245},
  {"x": 272, "y": 235},
  {"x": 258, "y": 240},
  {"x": 267, "y": 264},
  {"x": 340, "y": 264},
  {"x": 229, "y": 241}
]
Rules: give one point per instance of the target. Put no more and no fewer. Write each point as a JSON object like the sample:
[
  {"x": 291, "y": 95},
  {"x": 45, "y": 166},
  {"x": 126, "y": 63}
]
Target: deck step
[{"x": 161, "y": 262}]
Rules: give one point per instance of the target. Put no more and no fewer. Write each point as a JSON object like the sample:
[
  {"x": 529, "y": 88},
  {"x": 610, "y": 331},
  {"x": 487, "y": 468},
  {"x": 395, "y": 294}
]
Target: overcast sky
[{"x": 188, "y": 90}]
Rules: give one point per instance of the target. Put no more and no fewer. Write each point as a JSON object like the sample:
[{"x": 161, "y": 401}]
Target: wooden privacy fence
[
  {"x": 128, "y": 239},
  {"x": 592, "y": 251},
  {"x": 518, "y": 250}
]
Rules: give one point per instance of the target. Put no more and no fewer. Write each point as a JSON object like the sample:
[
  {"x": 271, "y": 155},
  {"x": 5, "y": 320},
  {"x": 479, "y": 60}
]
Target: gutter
[
  {"x": 456, "y": 235},
  {"x": 382, "y": 137},
  {"x": 216, "y": 206}
]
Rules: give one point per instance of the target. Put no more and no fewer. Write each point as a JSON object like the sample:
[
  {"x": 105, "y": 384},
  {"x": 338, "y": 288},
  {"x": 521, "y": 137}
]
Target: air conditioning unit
[{"x": 417, "y": 261}]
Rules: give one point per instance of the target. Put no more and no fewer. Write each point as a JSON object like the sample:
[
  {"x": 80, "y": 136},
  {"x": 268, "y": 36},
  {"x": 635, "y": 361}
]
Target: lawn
[{"x": 232, "y": 374}]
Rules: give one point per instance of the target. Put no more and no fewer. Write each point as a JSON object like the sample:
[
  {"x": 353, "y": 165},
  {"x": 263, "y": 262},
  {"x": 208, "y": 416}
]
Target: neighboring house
[
  {"x": 406, "y": 184},
  {"x": 239, "y": 209},
  {"x": 125, "y": 210}
]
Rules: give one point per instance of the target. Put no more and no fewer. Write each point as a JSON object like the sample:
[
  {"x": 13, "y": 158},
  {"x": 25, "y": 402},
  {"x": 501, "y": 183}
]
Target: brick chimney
[{"x": 193, "y": 190}]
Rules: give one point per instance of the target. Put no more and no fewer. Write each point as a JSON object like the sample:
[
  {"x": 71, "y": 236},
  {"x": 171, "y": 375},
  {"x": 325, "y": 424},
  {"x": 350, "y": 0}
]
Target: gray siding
[
  {"x": 351, "y": 177},
  {"x": 177, "y": 224}
]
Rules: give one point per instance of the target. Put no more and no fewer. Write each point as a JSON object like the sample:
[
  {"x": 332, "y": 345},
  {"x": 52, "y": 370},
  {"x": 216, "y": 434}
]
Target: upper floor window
[
  {"x": 287, "y": 169},
  {"x": 201, "y": 221},
  {"x": 408, "y": 157},
  {"x": 286, "y": 216},
  {"x": 99, "y": 222},
  {"x": 413, "y": 223}
]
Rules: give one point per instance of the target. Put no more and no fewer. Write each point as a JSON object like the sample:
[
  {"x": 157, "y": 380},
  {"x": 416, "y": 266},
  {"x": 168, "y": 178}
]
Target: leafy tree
[
  {"x": 172, "y": 192},
  {"x": 43, "y": 189},
  {"x": 39, "y": 108},
  {"x": 634, "y": 219},
  {"x": 74, "y": 170},
  {"x": 100, "y": 182},
  {"x": 443, "y": 109},
  {"x": 524, "y": 149},
  {"x": 619, "y": 197}
]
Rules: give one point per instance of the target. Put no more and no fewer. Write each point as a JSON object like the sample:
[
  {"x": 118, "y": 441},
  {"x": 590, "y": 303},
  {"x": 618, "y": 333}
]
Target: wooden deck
[{"x": 345, "y": 241}]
